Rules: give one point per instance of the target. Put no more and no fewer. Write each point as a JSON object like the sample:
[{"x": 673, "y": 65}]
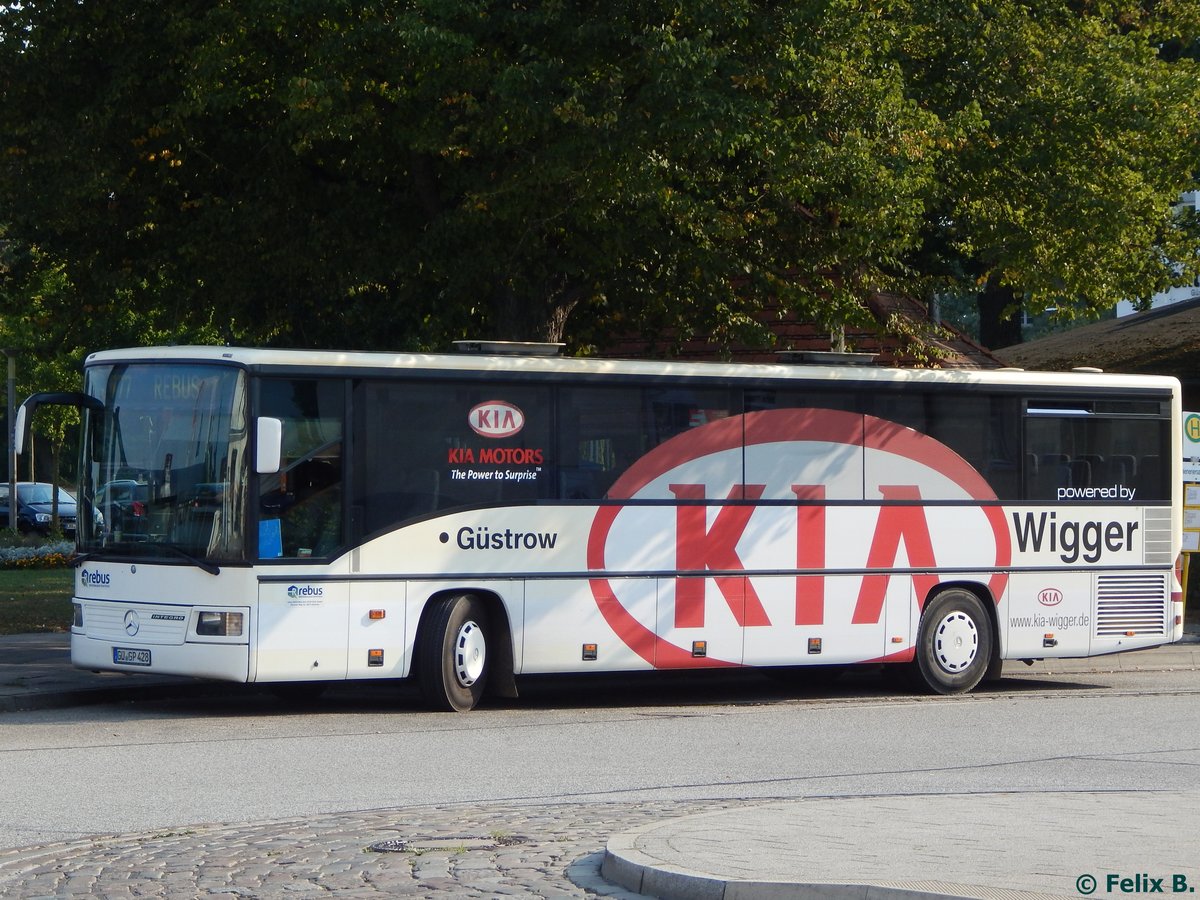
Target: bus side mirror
[
  {"x": 270, "y": 445},
  {"x": 24, "y": 416}
]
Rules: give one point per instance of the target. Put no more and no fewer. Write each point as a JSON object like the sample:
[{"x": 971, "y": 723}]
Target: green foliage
[
  {"x": 1079, "y": 136},
  {"x": 395, "y": 175}
]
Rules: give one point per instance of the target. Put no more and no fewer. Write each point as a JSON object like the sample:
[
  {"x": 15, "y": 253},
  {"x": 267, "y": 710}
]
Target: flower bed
[{"x": 53, "y": 555}]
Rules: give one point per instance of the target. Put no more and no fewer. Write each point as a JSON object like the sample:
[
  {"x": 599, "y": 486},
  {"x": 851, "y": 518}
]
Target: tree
[
  {"x": 395, "y": 175},
  {"x": 399, "y": 174},
  {"x": 1080, "y": 132}
]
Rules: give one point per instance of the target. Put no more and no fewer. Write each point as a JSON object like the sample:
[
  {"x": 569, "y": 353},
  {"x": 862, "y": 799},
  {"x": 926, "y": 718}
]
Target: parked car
[
  {"x": 35, "y": 508},
  {"x": 122, "y": 505}
]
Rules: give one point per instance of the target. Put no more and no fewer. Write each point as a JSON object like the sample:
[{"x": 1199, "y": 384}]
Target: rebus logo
[
  {"x": 98, "y": 579},
  {"x": 751, "y": 512},
  {"x": 496, "y": 419},
  {"x": 297, "y": 591},
  {"x": 1050, "y": 597}
]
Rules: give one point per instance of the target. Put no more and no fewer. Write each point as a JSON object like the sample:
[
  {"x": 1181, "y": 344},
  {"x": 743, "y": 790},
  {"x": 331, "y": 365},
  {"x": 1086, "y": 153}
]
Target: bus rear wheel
[
  {"x": 452, "y": 653},
  {"x": 954, "y": 643}
]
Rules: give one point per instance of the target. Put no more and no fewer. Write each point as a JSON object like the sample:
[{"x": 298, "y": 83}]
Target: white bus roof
[{"x": 550, "y": 365}]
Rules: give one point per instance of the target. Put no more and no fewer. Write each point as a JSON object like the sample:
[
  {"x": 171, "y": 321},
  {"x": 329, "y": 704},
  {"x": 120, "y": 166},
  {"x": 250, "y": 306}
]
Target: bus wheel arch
[
  {"x": 463, "y": 648},
  {"x": 957, "y": 644},
  {"x": 995, "y": 664}
]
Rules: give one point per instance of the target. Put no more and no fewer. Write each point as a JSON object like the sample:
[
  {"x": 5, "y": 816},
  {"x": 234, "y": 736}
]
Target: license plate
[{"x": 131, "y": 657}]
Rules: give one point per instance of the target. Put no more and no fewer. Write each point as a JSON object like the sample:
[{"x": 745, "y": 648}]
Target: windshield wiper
[{"x": 203, "y": 564}]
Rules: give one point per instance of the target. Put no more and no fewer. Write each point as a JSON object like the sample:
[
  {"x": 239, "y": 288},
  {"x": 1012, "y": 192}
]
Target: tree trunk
[
  {"x": 519, "y": 319},
  {"x": 999, "y": 316},
  {"x": 55, "y": 450}
]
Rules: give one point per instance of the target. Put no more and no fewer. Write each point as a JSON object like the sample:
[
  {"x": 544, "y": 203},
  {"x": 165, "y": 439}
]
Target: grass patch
[{"x": 33, "y": 600}]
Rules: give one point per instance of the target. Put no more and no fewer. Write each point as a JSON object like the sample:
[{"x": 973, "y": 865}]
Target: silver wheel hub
[
  {"x": 470, "y": 653},
  {"x": 956, "y": 642}
]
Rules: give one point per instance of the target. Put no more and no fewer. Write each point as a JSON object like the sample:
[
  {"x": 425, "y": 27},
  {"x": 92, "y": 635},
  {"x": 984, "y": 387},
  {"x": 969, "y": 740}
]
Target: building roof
[
  {"x": 1163, "y": 341},
  {"x": 950, "y": 348}
]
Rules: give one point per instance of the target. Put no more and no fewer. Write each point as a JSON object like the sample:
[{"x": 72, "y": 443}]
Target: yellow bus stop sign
[{"x": 1191, "y": 427}]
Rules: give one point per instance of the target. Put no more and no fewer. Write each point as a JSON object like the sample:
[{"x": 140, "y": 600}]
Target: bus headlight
[
  {"x": 76, "y": 615},
  {"x": 219, "y": 624}
]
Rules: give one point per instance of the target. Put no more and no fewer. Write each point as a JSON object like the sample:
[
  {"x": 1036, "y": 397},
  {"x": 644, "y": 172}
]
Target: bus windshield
[{"x": 165, "y": 462}]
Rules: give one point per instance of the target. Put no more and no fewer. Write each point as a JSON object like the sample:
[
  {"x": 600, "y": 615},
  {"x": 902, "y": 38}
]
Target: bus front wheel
[
  {"x": 954, "y": 644},
  {"x": 452, "y": 653}
]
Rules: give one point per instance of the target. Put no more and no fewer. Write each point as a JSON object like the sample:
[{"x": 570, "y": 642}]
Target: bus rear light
[{"x": 219, "y": 624}]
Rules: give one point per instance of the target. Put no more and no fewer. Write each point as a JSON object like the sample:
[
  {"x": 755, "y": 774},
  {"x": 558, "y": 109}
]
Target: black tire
[
  {"x": 954, "y": 643},
  {"x": 452, "y": 653}
]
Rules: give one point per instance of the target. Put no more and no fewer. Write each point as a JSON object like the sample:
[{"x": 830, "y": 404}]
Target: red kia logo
[
  {"x": 1050, "y": 597},
  {"x": 496, "y": 419},
  {"x": 789, "y": 488}
]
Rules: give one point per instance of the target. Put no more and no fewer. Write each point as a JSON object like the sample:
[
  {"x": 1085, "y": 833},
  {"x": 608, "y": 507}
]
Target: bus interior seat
[
  {"x": 1080, "y": 473},
  {"x": 1099, "y": 467},
  {"x": 1123, "y": 467},
  {"x": 1053, "y": 472}
]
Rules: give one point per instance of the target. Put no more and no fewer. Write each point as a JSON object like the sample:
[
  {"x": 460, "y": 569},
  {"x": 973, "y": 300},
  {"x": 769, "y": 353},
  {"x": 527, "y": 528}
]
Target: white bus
[{"x": 293, "y": 516}]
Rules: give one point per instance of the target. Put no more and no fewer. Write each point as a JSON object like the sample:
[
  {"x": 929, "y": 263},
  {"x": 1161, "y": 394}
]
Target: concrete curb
[
  {"x": 628, "y": 867},
  {"x": 633, "y": 870},
  {"x": 905, "y": 846}
]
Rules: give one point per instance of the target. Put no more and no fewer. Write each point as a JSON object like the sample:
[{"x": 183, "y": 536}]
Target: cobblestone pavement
[{"x": 461, "y": 850}]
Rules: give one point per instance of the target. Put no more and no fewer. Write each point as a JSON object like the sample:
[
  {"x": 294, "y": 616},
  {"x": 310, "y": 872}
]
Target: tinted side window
[
  {"x": 604, "y": 430},
  {"x": 429, "y": 446},
  {"x": 1077, "y": 455},
  {"x": 983, "y": 429},
  {"x": 301, "y": 507}
]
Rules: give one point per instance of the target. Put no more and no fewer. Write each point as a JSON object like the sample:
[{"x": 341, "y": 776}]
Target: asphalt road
[{"x": 242, "y": 756}]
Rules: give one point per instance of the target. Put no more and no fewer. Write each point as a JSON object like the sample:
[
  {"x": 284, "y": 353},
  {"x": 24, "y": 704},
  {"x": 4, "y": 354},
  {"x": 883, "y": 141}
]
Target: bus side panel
[
  {"x": 378, "y": 613},
  {"x": 1058, "y": 604},
  {"x": 302, "y": 630},
  {"x": 561, "y": 615},
  {"x": 822, "y": 608},
  {"x": 710, "y": 611}
]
